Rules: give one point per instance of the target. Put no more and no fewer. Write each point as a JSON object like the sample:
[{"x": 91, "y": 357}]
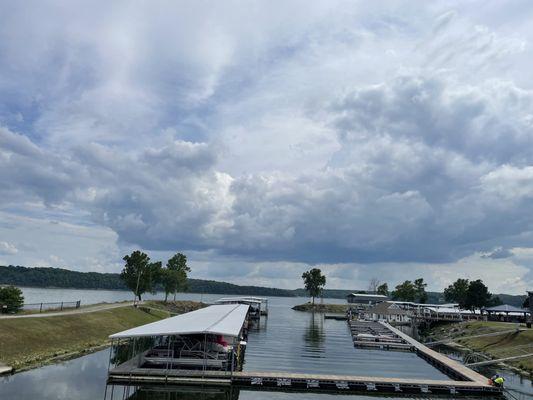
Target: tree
[
  {"x": 373, "y": 285},
  {"x": 477, "y": 295},
  {"x": 314, "y": 282},
  {"x": 12, "y": 298},
  {"x": 525, "y": 304},
  {"x": 177, "y": 265},
  {"x": 495, "y": 301},
  {"x": 458, "y": 292},
  {"x": 139, "y": 274},
  {"x": 169, "y": 279},
  {"x": 383, "y": 289},
  {"x": 405, "y": 292},
  {"x": 420, "y": 288}
]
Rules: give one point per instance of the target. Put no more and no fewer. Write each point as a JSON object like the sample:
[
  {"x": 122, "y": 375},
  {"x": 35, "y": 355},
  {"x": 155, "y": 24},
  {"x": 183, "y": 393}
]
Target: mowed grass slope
[
  {"x": 501, "y": 346},
  {"x": 30, "y": 341}
]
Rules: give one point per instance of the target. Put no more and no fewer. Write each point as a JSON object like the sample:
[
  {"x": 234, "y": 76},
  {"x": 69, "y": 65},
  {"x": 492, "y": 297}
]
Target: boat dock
[
  {"x": 170, "y": 367},
  {"x": 376, "y": 336},
  {"x": 284, "y": 381}
]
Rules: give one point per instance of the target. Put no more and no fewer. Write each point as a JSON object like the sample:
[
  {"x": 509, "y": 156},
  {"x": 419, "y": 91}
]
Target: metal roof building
[{"x": 220, "y": 319}]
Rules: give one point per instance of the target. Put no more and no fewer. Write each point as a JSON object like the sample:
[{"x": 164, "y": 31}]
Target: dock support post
[
  {"x": 110, "y": 353},
  {"x": 205, "y": 355},
  {"x": 168, "y": 358}
]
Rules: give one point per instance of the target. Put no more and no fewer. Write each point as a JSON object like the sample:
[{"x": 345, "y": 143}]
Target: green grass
[
  {"x": 505, "y": 345},
  {"x": 26, "y": 342},
  {"x": 177, "y": 307}
]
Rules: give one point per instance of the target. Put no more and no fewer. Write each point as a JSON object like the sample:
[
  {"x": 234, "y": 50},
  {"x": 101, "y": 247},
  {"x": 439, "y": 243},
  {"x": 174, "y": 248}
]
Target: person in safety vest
[{"x": 497, "y": 380}]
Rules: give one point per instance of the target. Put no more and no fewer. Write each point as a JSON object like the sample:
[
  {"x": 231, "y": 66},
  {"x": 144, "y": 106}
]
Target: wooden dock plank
[
  {"x": 441, "y": 358},
  {"x": 302, "y": 381}
]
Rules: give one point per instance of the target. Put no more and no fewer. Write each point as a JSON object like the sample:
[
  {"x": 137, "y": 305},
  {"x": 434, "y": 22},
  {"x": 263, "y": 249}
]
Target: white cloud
[
  {"x": 7, "y": 248},
  {"x": 356, "y": 136}
]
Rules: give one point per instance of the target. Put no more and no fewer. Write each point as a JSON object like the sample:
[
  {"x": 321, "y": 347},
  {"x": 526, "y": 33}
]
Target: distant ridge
[{"x": 67, "y": 279}]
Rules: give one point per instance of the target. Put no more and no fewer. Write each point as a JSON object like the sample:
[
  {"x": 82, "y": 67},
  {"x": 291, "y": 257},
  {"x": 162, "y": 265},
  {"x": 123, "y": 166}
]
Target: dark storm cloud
[
  {"x": 417, "y": 178},
  {"x": 382, "y": 134}
]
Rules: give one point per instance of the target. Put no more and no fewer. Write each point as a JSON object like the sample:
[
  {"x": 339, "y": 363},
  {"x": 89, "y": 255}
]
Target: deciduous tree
[
  {"x": 139, "y": 274},
  {"x": 478, "y": 295},
  {"x": 457, "y": 292},
  {"x": 178, "y": 269},
  {"x": 12, "y": 298},
  {"x": 420, "y": 287},
  {"x": 405, "y": 291},
  {"x": 383, "y": 289},
  {"x": 373, "y": 285},
  {"x": 314, "y": 282}
]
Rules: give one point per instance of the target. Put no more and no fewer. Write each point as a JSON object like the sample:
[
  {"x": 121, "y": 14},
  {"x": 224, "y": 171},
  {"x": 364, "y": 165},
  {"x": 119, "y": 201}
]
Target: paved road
[{"x": 83, "y": 310}]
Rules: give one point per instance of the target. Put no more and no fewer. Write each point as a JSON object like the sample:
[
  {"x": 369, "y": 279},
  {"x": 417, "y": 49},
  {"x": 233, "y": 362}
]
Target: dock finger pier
[{"x": 207, "y": 347}]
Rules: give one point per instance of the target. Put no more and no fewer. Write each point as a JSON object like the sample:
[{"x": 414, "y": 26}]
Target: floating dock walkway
[
  {"x": 284, "y": 381},
  {"x": 376, "y": 334}
]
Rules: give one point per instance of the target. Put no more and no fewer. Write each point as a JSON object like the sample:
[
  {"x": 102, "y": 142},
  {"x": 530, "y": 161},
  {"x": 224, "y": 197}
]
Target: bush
[{"x": 11, "y": 297}]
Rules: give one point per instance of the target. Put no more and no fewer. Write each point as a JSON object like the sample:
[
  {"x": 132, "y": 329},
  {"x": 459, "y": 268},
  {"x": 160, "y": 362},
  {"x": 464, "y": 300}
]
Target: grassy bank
[
  {"x": 323, "y": 308},
  {"x": 504, "y": 345},
  {"x": 30, "y": 342}
]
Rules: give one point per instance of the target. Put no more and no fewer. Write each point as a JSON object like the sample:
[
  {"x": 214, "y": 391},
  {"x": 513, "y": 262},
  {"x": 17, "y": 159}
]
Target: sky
[{"x": 389, "y": 140}]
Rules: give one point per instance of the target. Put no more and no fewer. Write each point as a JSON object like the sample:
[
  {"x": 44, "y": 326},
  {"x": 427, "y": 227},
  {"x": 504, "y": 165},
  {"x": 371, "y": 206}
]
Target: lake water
[{"x": 285, "y": 341}]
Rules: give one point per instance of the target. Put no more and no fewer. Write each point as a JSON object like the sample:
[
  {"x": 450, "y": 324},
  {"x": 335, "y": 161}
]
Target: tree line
[
  {"x": 64, "y": 278},
  {"x": 468, "y": 294}
]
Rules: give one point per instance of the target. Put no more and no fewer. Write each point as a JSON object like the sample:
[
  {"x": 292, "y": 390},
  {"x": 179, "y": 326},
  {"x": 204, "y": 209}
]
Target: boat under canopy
[
  {"x": 219, "y": 319},
  {"x": 209, "y": 339},
  {"x": 258, "y": 305}
]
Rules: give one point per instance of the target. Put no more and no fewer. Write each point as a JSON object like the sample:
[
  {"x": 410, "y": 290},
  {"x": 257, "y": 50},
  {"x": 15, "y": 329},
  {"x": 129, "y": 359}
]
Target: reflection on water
[
  {"x": 314, "y": 336},
  {"x": 285, "y": 341},
  {"x": 170, "y": 393},
  {"x": 305, "y": 342}
]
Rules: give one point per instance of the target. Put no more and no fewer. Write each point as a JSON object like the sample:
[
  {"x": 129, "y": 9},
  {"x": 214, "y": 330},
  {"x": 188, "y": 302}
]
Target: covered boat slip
[
  {"x": 211, "y": 338},
  {"x": 258, "y": 305},
  {"x": 275, "y": 362}
]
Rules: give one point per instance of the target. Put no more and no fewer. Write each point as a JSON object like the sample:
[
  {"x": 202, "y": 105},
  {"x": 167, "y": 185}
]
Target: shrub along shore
[{"x": 31, "y": 342}]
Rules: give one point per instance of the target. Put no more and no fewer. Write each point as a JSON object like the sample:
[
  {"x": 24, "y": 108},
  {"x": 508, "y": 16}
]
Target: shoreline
[
  {"x": 517, "y": 370},
  {"x": 490, "y": 347},
  {"x": 322, "y": 308},
  {"x": 60, "y": 358},
  {"x": 29, "y": 343}
]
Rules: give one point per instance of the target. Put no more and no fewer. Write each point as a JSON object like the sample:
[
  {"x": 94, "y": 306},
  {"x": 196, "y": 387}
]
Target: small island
[{"x": 322, "y": 308}]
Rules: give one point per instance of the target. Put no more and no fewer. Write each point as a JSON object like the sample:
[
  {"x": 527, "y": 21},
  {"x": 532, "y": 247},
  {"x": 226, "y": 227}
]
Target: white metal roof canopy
[{"x": 221, "y": 319}]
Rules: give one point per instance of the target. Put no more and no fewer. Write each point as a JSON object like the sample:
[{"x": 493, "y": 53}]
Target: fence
[{"x": 60, "y": 305}]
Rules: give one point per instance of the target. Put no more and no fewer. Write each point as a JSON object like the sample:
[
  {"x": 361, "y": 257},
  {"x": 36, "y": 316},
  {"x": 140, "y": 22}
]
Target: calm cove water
[{"x": 285, "y": 341}]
